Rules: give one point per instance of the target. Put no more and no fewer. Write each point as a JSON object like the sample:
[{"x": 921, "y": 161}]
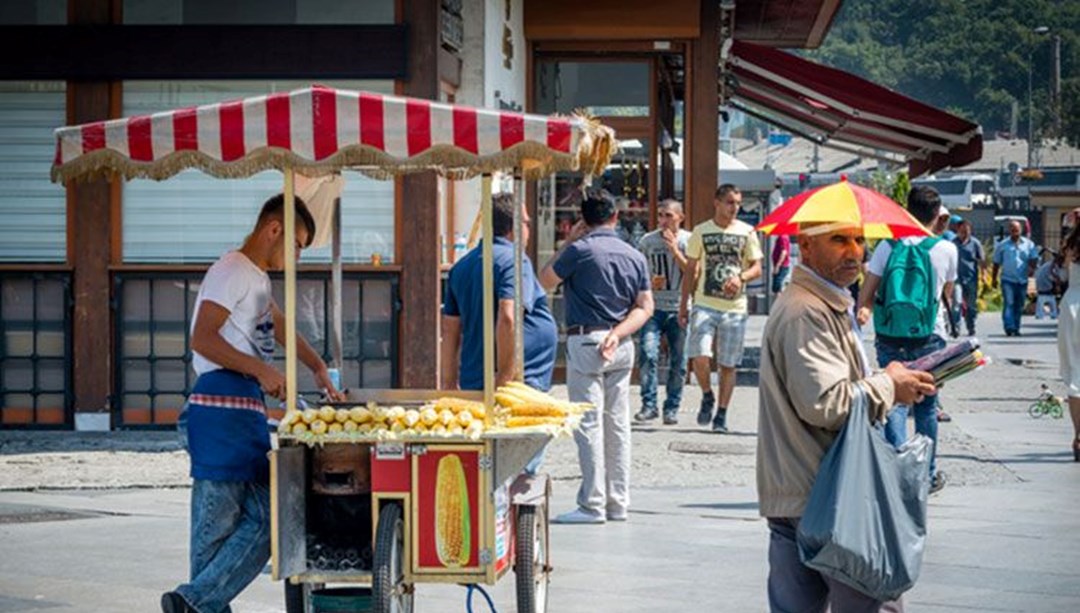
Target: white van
[{"x": 963, "y": 192}]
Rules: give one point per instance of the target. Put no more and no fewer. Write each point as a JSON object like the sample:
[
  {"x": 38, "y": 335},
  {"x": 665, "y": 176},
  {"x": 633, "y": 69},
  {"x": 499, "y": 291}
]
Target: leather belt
[{"x": 576, "y": 330}]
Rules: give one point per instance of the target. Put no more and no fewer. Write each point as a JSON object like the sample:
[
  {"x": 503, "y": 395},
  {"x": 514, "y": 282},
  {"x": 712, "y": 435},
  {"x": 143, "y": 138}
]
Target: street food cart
[{"x": 381, "y": 495}]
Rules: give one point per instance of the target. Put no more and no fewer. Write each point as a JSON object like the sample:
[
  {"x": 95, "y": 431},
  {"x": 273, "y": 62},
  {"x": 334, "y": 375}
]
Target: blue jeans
[
  {"x": 667, "y": 324},
  {"x": 1014, "y": 296},
  {"x": 925, "y": 411},
  {"x": 779, "y": 278},
  {"x": 230, "y": 540}
]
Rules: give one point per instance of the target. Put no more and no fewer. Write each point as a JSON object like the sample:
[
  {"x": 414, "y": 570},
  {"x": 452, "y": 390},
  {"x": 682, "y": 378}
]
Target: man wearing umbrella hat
[{"x": 812, "y": 359}]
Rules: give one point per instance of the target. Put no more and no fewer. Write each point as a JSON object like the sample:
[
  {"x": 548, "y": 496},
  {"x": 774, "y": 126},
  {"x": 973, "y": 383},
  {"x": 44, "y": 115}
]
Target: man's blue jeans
[
  {"x": 230, "y": 540},
  {"x": 926, "y": 411},
  {"x": 664, "y": 323},
  {"x": 1014, "y": 295}
]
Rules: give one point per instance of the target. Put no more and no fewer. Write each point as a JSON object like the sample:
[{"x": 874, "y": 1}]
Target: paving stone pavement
[{"x": 1004, "y": 535}]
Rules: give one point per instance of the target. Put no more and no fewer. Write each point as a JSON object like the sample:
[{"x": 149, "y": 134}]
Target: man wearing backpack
[{"x": 904, "y": 290}]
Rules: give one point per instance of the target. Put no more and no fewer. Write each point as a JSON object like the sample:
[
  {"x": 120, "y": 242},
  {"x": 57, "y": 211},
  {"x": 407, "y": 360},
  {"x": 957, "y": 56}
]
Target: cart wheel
[
  {"x": 531, "y": 561},
  {"x": 298, "y": 596},
  {"x": 389, "y": 590}
]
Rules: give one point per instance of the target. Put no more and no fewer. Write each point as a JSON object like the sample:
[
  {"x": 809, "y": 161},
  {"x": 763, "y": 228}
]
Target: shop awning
[{"x": 840, "y": 110}]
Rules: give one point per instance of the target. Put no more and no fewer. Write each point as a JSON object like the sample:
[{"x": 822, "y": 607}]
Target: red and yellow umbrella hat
[{"x": 845, "y": 205}]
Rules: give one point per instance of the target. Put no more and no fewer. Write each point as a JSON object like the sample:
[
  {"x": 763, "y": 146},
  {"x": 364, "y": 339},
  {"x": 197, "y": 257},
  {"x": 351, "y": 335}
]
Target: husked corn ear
[
  {"x": 309, "y": 415},
  {"x": 327, "y": 414},
  {"x": 464, "y": 418},
  {"x": 453, "y": 531},
  {"x": 457, "y": 405},
  {"x": 538, "y": 410},
  {"x": 455, "y": 429},
  {"x": 411, "y": 418},
  {"x": 395, "y": 413},
  {"x": 446, "y": 417},
  {"x": 475, "y": 429},
  {"x": 341, "y": 416},
  {"x": 360, "y": 414},
  {"x": 299, "y": 428},
  {"x": 335, "y": 428},
  {"x": 318, "y": 427},
  {"x": 397, "y": 427},
  {"x": 291, "y": 418},
  {"x": 438, "y": 429},
  {"x": 429, "y": 416},
  {"x": 523, "y": 422},
  {"x": 350, "y": 426},
  {"x": 364, "y": 428}
]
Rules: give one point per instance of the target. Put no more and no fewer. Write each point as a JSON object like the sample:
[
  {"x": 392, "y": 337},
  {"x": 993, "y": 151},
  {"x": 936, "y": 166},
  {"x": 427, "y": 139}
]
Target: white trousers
[{"x": 603, "y": 441}]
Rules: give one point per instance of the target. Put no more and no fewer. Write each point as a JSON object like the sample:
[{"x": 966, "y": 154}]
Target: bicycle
[{"x": 1047, "y": 404}]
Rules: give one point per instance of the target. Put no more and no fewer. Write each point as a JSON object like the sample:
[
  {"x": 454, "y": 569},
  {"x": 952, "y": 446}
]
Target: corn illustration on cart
[{"x": 376, "y": 506}]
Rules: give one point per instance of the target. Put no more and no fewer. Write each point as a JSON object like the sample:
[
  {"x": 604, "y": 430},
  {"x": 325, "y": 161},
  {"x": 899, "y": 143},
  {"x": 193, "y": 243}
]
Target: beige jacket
[{"x": 810, "y": 363}]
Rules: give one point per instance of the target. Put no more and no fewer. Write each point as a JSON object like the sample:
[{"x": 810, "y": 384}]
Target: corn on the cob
[
  {"x": 360, "y": 414},
  {"x": 309, "y": 415},
  {"x": 411, "y": 418},
  {"x": 456, "y": 405},
  {"x": 446, "y": 417},
  {"x": 341, "y": 416},
  {"x": 532, "y": 410},
  {"x": 465, "y": 418},
  {"x": 335, "y": 428},
  {"x": 523, "y": 422},
  {"x": 350, "y": 426},
  {"x": 453, "y": 530},
  {"x": 429, "y": 416},
  {"x": 327, "y": 414},
  {"x": 318, "y": 427},
  {"x": 299, "y": 428}
]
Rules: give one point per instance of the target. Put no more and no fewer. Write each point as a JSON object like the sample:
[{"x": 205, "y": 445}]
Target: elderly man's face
[
  {"x": 1014, "y": 230},
  {"x": 836, "y": 256}
]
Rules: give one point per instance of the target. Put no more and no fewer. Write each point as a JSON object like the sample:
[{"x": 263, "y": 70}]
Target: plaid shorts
[{"x": 707, "y": 326}]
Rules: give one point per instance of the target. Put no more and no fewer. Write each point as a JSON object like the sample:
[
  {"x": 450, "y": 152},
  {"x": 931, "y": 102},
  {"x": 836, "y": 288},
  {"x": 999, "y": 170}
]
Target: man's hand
[
  {"x": 322, "y": 379},
  {"x": 580, "y": 229},
  {"x": 271, "y": 381},
  {"x": 911, "y": 385},
  {"x": 863, "y": 315},
  {"x": 670, "y": 240},
  {"x": 684, "y": 315},
  {"x": 732, "y": 286},
  {"x": 609, "y": 346}
]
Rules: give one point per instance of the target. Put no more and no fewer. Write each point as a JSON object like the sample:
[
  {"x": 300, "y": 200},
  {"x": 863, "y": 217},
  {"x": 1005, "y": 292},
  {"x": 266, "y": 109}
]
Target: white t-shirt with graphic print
[{"x": 239, "y": 286}]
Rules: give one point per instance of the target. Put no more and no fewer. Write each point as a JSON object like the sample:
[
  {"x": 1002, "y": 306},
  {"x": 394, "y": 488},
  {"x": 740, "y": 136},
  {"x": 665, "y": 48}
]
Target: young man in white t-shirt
[
  {"x": 235, "y": 327},
  {"x": 924, "y": 204}
]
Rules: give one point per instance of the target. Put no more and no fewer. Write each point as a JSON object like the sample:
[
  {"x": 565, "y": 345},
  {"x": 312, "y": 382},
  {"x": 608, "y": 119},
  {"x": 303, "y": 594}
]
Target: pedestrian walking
[
  {"x": 1049, "y": 278},
  {"x": 1015, "y": 258},
  {"x": 665, "y": 250},
  {"x": 724, "y": 255},
  {"x": 608, "y": 299},
  {"x": 811, "y": 362},
  {"x": 1069, "y": 332},
  {"x": 970, "y": 265},
  {"x": 223, "y": 425},
  {"x": 781, "y": 261},
  {"x": 906, "y": 289}
]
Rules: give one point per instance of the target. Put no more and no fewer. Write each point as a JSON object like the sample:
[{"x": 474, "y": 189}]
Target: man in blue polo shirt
[
  {"x": 1015, "y": 257},
  {"x": 463, "y": 312},
  {"x": 608, "y": 299}
]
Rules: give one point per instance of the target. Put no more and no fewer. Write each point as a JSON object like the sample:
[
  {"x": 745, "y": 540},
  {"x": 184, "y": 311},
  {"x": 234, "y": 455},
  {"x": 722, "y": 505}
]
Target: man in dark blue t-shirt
[{"x": 463, "y": 312}]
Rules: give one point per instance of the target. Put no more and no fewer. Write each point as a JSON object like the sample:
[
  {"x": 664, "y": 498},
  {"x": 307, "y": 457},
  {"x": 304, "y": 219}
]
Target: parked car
[{"x": 963, "y": 192}]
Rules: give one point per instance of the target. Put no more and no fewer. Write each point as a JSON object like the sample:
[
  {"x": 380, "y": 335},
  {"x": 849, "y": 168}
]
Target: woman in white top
[{"x": 1069, "y": 331}]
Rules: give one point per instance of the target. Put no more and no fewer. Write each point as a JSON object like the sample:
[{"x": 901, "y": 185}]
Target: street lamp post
[{"x": 1032, "y": 139}]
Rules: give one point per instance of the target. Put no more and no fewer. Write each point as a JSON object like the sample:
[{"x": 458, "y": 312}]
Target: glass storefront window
[
  {"x": 35, "y": 209},
  {"x": 193, "y": 217},
  {"x": 602, "y": 88},
  {"x": 258, "y": 12},
  {"x": 33, "y": 12}
]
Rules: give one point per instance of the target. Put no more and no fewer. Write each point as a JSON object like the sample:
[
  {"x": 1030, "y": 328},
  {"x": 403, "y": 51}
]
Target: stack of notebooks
[{"x": 952, "y": 361}]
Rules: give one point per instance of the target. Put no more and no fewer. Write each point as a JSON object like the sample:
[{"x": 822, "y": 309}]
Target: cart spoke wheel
[
  {"x": 532, "y": 567},
  {"x": 389, "y": 590}
]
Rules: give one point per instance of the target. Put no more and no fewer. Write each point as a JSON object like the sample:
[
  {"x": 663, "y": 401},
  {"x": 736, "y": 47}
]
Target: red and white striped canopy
[{"x": 319, "y": 130}]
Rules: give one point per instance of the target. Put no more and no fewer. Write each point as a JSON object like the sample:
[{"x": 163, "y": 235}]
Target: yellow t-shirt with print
[{"x": 722, "y": 253}]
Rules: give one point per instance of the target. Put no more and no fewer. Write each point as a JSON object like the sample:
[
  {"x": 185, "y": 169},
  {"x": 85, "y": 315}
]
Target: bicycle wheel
[
  {"x": 1036, "y": 410},
  {"x": 1058, "y": 411}
]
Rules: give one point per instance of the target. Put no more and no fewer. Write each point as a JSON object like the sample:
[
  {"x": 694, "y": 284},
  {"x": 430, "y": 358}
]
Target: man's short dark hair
[
  {"x": 725, "y": 189},
  {"x": 924, "y": 203},
  {"x": 274, "y": 208},
  {"x": 502, "y": 214},
  {"x": 598, "y": 207}
]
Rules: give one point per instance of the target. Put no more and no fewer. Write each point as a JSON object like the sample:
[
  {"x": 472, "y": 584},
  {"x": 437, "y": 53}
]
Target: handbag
[{"x": 865, "y": 520}]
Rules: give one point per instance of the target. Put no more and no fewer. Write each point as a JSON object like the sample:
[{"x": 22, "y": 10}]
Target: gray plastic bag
[{"x": 865, "y": 521}]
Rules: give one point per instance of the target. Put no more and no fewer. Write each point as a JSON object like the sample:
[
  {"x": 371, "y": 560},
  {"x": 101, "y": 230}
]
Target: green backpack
[{"x": 906, "y": 305}]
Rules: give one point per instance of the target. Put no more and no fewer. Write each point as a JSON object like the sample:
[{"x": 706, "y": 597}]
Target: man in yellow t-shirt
[{"x": 724, "y": 255}]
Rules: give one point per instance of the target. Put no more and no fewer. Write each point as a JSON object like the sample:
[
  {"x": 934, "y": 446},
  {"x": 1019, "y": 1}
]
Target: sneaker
[
  {"x": 173, "y": 602},
  {"x": 579, "y": 516},
  {"x": 943, "y": 417},
  {"x": 646, "y": 415},
  {"x": 704, "y": 416},
  {"x": 937, "y": 482},
  {"x": 719, "y": 423},
  {"x": 670, "y": 419},
  {"x": 617, "y": 515}
]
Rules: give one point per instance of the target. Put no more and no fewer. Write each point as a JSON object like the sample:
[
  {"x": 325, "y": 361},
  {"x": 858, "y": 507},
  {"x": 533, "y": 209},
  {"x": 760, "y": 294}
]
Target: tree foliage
[{"x": 970, "y": 57}]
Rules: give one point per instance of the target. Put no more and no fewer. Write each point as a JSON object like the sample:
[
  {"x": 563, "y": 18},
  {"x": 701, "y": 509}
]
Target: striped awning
[{"x": 320, "y": 130}]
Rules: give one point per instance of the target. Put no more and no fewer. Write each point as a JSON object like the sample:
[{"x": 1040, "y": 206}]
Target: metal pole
[
  {"x": 488, "y": 299},
  {"x": 519, "y": 289},
  {"x": 290, "y": 291},
  {"x": 336, "y": 287},
  {"x": 1031, "y": 112},
  {"x": 1055, "y": 87}
]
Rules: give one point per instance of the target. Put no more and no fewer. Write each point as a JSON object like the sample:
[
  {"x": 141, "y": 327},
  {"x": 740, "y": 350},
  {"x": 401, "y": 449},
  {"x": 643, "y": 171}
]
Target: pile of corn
[
  {"x": 520, "y": 406},
  {"x": 445, "y": 417}
]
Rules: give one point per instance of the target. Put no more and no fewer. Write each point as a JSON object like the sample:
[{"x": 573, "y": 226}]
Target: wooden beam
[
  {"x": 419, "y": 227},
  {"x": 702, "y": 119},
  {"x": 612, "y": 19}
]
